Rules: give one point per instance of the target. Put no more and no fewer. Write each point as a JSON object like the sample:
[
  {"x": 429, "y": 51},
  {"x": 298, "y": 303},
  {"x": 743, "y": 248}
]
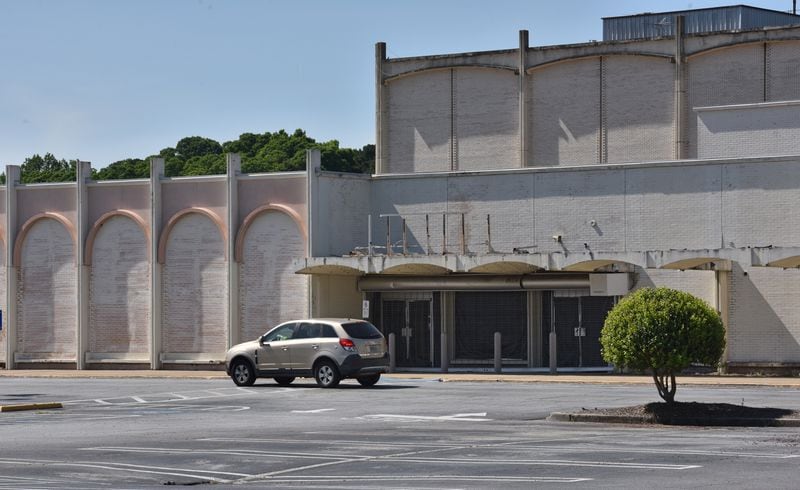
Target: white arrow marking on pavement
[
  {"x": 314, "y": 411},
  {"x": 467, "y": 417}
]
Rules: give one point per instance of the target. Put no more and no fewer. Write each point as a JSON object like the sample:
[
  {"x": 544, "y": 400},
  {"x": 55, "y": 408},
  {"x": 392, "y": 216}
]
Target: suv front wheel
[
  {"x": 326, "y": 374},
  {"x": 242, "y": 373}
]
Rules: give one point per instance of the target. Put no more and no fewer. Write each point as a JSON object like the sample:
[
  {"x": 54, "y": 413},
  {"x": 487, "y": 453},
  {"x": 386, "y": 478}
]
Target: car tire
[
  {"x": 326, "y": 374},
  {"x": 284, "y": 380},
  {"x": 242, "y": 373},
  {"x": 367, "y": 381}
]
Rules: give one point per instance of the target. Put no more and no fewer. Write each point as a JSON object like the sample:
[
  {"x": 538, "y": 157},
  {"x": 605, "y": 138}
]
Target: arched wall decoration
[
  {"x": 23, "y": 232},
  {"x": 546, "y": 64},
  {"x": 162, "y": 242},
  {"x": 240, "y": 236},
  {"x": 450, "y": 67},
  {"x": 721, "y": 47},
  {"x": 90, "y": 238}
]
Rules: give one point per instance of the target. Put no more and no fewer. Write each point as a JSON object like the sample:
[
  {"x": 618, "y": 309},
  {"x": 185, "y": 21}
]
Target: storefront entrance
[
  {"x": 409, "y": 318},
  {"x": 577, "y": 322}
]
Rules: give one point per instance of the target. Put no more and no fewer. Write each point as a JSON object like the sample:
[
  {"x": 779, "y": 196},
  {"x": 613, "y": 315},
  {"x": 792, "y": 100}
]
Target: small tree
[{"x": 664, "y": 331}]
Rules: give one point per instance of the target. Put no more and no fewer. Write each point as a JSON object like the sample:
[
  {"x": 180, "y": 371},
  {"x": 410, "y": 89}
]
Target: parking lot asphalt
[
  {"x": 406, "y": 432},
  {"x": 471, "y": 377}
]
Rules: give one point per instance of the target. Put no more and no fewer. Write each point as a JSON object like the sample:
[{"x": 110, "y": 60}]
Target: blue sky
[{"x": 103, "y": 80}]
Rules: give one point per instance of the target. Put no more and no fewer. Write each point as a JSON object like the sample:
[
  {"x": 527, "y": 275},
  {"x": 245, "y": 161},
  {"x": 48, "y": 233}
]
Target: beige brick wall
[
  {"x": 721, "y": 77},
  {"x": 783, "y": 67},
  {"x": 673, "y": 208},
  {"x": 764, "y": 315},
  {"x": 565, "y": 113},
  {"x": 639, "y": 107},
  {"x": 419, "y": 123},
  {"x": 3, "y": 304},
  {"x": 194, "y": 293},
  {"x": 269, "y": 291},
  {"x": 486, "y": 119},
  {"x": 702, "y": 284},
  {"x": 46, "y": 292},
  {"x": 119, "y": 289}
]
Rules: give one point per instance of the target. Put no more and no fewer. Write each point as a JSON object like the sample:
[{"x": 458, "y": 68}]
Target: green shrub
[{"x": 664, "y": 331}]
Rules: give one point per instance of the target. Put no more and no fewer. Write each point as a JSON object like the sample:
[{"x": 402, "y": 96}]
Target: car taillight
[{"x": 347, "y": 345}]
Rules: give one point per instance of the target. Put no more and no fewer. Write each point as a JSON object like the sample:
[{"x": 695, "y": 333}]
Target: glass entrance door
[{"x": 410, "y": 322}]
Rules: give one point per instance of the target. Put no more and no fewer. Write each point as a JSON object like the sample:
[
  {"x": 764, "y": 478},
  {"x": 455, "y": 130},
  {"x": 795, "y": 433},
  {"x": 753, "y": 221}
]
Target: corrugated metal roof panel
[{"x": 733, "y": 18}]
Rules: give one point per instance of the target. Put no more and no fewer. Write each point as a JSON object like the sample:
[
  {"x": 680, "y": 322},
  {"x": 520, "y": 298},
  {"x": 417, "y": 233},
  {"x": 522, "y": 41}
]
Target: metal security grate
[{"x": 478, "y": 315}]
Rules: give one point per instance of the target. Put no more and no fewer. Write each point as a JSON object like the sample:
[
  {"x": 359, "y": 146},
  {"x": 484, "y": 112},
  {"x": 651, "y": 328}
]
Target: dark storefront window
[{"x": 478, "y": 315}]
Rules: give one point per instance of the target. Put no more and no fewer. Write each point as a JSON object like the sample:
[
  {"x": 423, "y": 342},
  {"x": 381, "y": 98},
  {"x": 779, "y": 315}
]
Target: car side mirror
[{"x": 262, "y": 340}]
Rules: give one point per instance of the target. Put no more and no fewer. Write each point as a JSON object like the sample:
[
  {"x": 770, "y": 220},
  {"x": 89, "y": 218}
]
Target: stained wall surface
[
  {"x": 585, "y": 104},
  {"x": 119, "y": 299},
  {"x": 46, "y": 293},
  {"x": 269, "y": 290},
  {"x": 194, "y": 288}
]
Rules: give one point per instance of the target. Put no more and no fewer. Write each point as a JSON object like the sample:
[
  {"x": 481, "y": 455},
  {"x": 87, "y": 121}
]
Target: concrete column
[
  {"x": 313, "y": 166},
  {"x": 498, "y": 352},
  {"x": 84, "y": 174},
  {"x": 723, "y": 279},
  {"x": 234, "y": 168},
  {"x": 523, "y": 98},
  {"x": 681, "y": 140},
  {"x": 10, "y": 315},
  {"x": 380, "y": 108},
  {"x": 156, "y": 172}
]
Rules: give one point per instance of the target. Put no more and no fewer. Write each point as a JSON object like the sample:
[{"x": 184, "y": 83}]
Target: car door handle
[
  {"x": 315, "y": 346},
  {"x": 284, "y": 349}
]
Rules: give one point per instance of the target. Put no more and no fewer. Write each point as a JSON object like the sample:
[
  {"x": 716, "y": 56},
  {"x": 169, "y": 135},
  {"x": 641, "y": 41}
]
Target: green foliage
[
  {"x": 195, "y": 155},
  {"x": 197, "y": 146},
  {"x": 664, "y": 331},
  {"x": 47, "y": 168},
  {"x": 130, "y": 168}
]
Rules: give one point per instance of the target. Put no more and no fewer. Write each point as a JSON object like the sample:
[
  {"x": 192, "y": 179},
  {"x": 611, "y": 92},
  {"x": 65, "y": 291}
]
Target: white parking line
[
  {"x": 158, "y": 470},
  {"x": 545, "y": 462},
  {"x": 229, "y": 452},
  {"x": 464, "y": 417},
  {"x": 638, "y": 450},
  {"x": 425, "y": 478},
  {"x": 171, "y": 397},
  {"x": 319, "y": 410}
]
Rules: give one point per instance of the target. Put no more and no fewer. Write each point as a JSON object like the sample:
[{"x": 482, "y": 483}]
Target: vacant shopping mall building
[{"x": 519, "y": 191}]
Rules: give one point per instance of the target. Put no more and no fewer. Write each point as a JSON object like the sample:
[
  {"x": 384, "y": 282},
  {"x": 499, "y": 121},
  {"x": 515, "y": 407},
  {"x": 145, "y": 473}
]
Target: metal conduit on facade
[{"x": 474, "y": 283}]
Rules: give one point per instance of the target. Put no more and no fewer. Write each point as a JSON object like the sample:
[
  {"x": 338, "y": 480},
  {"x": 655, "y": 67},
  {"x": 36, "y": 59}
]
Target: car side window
[
  {"x": 307, "y": 331},
  {"x": 328, "y": 331},
  {"x": 284, "y": 332}
]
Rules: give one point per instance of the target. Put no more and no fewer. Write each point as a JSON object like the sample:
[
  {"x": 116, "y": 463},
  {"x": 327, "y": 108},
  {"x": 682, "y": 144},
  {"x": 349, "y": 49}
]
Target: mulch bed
[{"x": 693, "y": 413}]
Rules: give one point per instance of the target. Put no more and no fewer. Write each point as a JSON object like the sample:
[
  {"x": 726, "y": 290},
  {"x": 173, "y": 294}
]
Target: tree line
[{"x": 196, "y": 155}]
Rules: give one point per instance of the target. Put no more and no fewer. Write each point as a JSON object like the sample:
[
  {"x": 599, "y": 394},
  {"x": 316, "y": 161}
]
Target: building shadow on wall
[{"x": 755, "y": 327}]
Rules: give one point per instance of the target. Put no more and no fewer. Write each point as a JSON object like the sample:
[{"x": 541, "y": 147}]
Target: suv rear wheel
[
  {"x": 326, "y": 374},
  {"x": 242, "y": 373},
  {"x": 370, "y": 380}
]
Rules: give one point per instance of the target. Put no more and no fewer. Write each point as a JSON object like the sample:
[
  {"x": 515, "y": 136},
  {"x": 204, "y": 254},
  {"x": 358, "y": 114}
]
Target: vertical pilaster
[
  {"x": 156, "y": 172},
  {"x": 380, "y": 108},
  {"x": 680, "y": 89},
  {"x": 84, "y": 174},
  {"x": 723, "y": 279},
  {"x": 234, "y": 164},
  {"x": 313, "y": 167},
  {"x": 523, "y": 98},
  {"x": 10, "y": 315}
]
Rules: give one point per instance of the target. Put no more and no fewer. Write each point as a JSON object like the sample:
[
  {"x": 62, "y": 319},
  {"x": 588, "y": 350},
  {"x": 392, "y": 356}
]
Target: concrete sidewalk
[{"x": 705, "y": 380}]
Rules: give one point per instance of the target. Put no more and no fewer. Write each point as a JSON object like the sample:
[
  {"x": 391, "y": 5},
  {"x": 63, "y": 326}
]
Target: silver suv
[{"x": 327, "y": 349}]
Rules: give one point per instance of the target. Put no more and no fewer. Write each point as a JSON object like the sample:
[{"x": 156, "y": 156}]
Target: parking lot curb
[
  {"x": 690, "y": 421},
  {"x": 30, "y": 406}
]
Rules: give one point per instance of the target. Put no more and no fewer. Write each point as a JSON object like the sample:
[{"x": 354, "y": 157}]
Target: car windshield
[{"x": 361, "y": 330}]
